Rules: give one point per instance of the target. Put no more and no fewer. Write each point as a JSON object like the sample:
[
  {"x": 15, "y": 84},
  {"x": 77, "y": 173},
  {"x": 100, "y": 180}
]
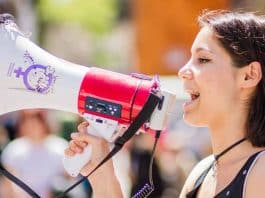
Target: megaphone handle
[{"x": 74, "y": 164}]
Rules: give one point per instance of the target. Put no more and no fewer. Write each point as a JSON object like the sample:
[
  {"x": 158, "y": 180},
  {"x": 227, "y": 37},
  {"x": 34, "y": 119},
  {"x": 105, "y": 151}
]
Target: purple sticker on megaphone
[{"x": 37, "y": 77}]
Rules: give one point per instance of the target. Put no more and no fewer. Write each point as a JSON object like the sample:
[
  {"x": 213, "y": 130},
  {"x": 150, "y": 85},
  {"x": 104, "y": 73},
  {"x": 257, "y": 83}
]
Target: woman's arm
[{"x": 104, "y": 181}]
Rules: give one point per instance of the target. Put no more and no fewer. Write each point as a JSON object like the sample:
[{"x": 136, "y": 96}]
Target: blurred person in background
[
  {"x": 35, "y": 156},
  {"x": 225, "y": 78}
]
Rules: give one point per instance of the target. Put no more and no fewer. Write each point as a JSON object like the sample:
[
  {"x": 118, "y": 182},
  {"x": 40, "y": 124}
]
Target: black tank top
[{"x": 234, "y": 189}]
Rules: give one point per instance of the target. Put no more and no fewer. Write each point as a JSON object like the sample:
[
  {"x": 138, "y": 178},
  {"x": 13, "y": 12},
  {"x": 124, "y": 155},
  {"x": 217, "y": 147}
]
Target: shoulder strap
[
  {"x": 193, "y": 192},
  {"x": 18, "y": 182}
]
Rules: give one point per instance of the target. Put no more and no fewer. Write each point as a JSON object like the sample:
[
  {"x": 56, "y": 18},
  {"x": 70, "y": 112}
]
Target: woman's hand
[
  {"x": 103, "y": 180},
  {"x": 80, "y": 140}
]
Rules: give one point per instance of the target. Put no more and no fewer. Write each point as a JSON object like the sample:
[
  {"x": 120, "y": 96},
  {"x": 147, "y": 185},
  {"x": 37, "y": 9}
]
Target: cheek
[
  {"x": 208, "y": 84},
  {"x": 214, "y": 87},
  {"x": 218, "y": 93},
  {"x": 217, "y": 78}
]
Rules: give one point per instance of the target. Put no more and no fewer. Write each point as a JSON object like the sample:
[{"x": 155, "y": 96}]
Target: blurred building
[
  {"x": 165, "y": 31},
  {"x": 257, "y": 6}
]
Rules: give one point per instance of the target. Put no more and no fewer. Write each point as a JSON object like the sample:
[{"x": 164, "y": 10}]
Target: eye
[{"x": 203, "y": 60}]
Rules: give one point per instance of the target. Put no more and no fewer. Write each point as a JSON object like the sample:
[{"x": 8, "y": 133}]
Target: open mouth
[
  {"x": 194, "y": 96},
  {"x": 193, "y": 99}
]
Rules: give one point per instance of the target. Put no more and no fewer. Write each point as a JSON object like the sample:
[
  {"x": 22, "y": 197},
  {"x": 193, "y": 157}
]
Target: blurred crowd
[
  {"x": 32, "y": 150},
  {"x": 32, "y": 142}
]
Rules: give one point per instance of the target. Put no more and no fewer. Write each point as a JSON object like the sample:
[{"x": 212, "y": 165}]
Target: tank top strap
[
  {"x": 198, "y": 182},
  {"x": 258, "y": 155},
  {"x": 236, "y": 186}
]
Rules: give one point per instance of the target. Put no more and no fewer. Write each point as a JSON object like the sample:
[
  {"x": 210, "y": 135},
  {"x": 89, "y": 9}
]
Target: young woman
[{"x": 225, "y": 78}]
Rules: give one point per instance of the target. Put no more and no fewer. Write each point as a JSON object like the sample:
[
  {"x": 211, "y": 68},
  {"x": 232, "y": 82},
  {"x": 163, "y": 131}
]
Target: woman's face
[{"x": 211, "y": 81}]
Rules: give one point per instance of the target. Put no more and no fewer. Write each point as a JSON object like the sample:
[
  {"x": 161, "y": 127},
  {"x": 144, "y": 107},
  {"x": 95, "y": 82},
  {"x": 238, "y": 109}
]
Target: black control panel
[{"x": 103, "y": 107}]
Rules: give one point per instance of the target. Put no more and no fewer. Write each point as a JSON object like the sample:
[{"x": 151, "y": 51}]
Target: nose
[{"x": 185, "y": 73}]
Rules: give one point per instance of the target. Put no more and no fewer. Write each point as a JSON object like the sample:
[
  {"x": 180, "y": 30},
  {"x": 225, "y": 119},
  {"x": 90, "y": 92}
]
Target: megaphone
[{"x": 30, "y": 77}]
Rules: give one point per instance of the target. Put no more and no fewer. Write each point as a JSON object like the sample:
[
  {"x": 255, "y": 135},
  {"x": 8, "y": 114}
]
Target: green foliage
[{"x": 98, "y": 16}]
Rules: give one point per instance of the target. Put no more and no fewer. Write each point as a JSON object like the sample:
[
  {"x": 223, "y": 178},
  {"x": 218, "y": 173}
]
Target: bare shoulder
[
  {"x": 194, "y": 175},
  {"x": 256, "y": 178}
]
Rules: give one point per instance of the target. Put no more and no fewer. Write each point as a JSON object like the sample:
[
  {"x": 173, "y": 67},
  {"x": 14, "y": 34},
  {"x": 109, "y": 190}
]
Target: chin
[{"x": 194, "y": 121}]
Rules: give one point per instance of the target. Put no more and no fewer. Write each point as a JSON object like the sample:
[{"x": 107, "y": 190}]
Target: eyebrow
[{"x": 203, "y": 49}]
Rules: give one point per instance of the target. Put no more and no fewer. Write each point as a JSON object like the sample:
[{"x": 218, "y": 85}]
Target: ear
[{"x": 251, "y": 75}]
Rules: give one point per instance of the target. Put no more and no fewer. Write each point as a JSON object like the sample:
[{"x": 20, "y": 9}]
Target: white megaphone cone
[{"x": 32, "y": 78}]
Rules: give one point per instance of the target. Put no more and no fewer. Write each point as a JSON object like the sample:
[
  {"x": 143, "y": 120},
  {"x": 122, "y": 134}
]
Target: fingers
[
  {"x": 75, "y": 147},
  {"x": 69, "y": 152},
  {"x": 82, "y": 145},
  {"x": 81, "y": 139},
  {"x": 83, "y": 136},
  {"x": 83, "y": 127}
]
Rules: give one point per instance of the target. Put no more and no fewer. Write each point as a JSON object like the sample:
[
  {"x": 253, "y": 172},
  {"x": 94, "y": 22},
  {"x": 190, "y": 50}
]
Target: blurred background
[{"x": 147, "y": 36}]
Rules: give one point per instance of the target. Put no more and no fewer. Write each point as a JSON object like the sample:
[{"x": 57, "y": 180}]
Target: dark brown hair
[{"x": 242, "y": 35}]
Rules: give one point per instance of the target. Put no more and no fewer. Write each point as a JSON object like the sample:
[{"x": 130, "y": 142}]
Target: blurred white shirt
[{"x": 35, "y": 164}]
